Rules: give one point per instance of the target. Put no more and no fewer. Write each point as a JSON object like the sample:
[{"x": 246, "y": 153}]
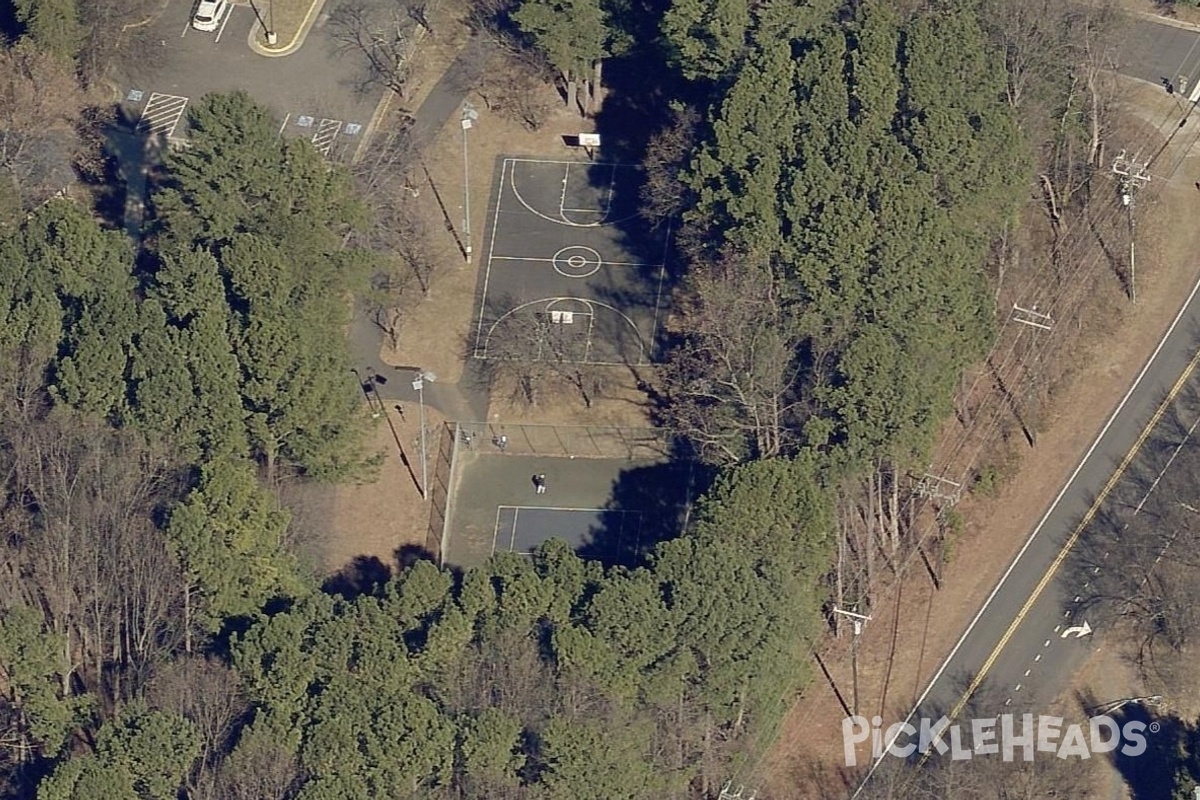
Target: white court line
[
  {"x": 512, "y": 541},
  {"x": 228, "y": 16},
  {"x": 662, "y": 277},
  {"x": 587, "y": 343},
  {"x": 487, "y": 273},
  {"x": 496, "y": 528},
  {"x": 591, "y": 304},
  {"x": 568, "y": 508},
  {"x": 576, "y": 163},
  {"x": 612, "y": 183},
  {"x": 562, "y": 200},
  {"x": 551, "y": 261}
]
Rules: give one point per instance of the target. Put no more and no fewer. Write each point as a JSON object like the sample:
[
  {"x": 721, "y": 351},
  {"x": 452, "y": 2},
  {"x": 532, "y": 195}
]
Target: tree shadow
[
  {"x": 649, "y": 504},
  {"x": 365, "y": 575},
  {"x": 1168, "y": 767},
  {"x": 407, "y": 556},
  {"x": 132, "y": 168}
]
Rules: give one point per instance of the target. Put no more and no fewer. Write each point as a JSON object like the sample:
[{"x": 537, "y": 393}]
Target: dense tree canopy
[
  {"x": 865, "y": 190},
  {"x": 635, "y": 671},
  {"x": 839, "y": 172}
]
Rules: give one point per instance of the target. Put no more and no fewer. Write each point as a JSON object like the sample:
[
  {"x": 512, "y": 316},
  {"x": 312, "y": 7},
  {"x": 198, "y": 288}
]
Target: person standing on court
[{"x": 539, "y": 482}]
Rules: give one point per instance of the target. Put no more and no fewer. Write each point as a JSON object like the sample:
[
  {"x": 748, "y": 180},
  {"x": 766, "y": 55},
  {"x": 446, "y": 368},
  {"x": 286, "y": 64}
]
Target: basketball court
[
  {"x": 611, "y": 509},
  {"x": 571, "y": 271},
  {"x": 520, "y": 529}
]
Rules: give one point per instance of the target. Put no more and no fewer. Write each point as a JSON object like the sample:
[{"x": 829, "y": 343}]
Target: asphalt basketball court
[{"x": 570, "y": 271}]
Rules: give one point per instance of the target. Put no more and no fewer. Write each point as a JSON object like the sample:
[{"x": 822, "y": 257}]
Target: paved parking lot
[{"x": 313, "y": 92}]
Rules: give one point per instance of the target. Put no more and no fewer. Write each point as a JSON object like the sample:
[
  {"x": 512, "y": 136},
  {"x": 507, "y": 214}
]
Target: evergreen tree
[
  {"x": 228, "y": 537},
  {"x": 53, "y": 26},
  {"x": 250, "y": 233}
]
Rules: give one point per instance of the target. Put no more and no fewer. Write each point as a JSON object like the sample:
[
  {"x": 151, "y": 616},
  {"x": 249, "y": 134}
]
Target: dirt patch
[
  {"x": 921, "y": 623},
  {"x": 383, "y": 518}
]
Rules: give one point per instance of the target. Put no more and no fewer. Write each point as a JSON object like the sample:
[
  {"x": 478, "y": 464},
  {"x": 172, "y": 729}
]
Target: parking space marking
[
  {"x": 228, "y": 16},
  {"x": 327, "y": 131},
  {"x": 161, "y": 115}
]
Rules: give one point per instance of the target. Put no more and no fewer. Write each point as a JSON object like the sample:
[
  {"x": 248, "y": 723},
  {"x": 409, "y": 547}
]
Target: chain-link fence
[
  {"x": 439, "y": 489},
  {"x": 571, "y": 441},
  {"x": 460, "y": 442}
]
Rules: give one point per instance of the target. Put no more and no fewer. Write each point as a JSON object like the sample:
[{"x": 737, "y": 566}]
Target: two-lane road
[
  {"x": 1023, "y": 645},
  {"x": 1018, "y": 645},
  {"x": 1161, "y": 53}
]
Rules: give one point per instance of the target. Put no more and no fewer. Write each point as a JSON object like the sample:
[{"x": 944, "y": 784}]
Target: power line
[{"x": 1025, "y": 317}]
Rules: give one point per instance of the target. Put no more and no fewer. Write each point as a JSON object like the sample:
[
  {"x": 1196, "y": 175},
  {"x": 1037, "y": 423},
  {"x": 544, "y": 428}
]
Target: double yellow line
[{"x": 1066, "y": 548}]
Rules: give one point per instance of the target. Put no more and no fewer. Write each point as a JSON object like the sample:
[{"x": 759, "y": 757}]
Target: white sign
[{"x": 589, "y": 140}]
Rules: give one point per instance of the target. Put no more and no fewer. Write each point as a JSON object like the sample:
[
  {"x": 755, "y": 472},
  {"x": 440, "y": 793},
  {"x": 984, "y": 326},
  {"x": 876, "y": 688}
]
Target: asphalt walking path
[{"x": 468, "y": 399}]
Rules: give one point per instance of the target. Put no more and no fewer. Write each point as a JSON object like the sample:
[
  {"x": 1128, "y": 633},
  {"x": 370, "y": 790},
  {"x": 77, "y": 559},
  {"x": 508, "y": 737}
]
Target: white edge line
[
  {"x": 562, "y": 199},
  {"x": 496, "y": 529},
  {"x": 487, "y": 272},
  {"x": 512, "y": 539},
  {"x": 1070, "y": 481},
  {"x": 602, "y": 263},
  {"x": 575, "y": 163},
  {"x": 658, "y": 291},
  {"x": 286, "y": 117},
  {"x": 178, "y": 116}
]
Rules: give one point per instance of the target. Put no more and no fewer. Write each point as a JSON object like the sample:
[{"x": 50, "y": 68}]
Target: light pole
[
  {"x": 419, "y": 386},
  {"x": 271, "y": 36},
  {"x": 469, "y": 115}
]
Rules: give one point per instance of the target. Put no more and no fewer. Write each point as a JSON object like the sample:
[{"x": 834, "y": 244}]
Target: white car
[{"x": 209, "y": 14}]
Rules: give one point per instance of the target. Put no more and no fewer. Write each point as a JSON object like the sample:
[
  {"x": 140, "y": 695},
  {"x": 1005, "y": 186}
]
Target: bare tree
[
  {"x": 663, "y": 195},
  {"x": 387, "y": 183},
  {"x": 529, "y": 352},
  {"x": 207, "y": 693},
  {"x": 382, "y": 37},
  {"x": 40, "y": 103},
  {"x": 261, "y": 767},
  {"x": 87, "y": 548},
  {"x": 732, "y": 380},
  {"x": 516, "y": 84}
]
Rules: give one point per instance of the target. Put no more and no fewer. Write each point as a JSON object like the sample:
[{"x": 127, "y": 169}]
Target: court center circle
[{"x": 576, "y": 262}]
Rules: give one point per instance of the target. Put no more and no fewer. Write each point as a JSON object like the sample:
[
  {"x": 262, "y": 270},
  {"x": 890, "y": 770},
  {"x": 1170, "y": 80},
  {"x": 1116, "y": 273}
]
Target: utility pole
[
  {"x": 1132, "y": 173},
  {"x": 272, "y": 37},
  {"x": 858, "y": 619}
]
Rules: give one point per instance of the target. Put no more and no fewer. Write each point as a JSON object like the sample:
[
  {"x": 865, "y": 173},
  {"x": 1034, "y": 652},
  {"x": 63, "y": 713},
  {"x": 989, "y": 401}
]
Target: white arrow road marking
[{"x": 1078, "y": 630}]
